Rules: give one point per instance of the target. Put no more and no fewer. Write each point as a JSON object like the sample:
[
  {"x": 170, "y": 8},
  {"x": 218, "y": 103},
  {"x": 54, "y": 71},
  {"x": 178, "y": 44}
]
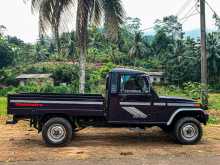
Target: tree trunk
[
  {"x": 82, "y": 68},
  {"x": 81, "y": 36},
  {"x": 57, "y": 38}
]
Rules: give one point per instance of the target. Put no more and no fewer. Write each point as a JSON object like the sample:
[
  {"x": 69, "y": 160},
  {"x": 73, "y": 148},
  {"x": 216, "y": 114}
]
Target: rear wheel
[
  {"x": 188, "y": 130},
  {"x": 57, "y": 132}
]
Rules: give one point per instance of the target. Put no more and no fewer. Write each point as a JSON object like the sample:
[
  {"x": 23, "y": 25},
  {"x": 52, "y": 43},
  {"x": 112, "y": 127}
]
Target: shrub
[{"x": 192, "y": 89}]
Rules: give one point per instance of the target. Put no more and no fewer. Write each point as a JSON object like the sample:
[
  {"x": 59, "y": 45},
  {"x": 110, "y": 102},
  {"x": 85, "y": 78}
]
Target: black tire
[
  {"x": 57, "y": 132},
  {"x": 188, "y": 131}
]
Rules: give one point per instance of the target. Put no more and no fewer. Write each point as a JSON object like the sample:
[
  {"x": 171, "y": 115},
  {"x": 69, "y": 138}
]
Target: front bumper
[{"x": 206, "y": 117}]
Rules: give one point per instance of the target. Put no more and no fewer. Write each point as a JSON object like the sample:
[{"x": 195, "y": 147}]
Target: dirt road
[
  {"x": 154, "y": 160},
  {"x": 21, "y": 145}
]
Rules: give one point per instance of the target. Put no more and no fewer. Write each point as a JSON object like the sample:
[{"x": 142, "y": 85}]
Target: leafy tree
[
  {"x": 213, "y": 46},
  {"x": 138, "y": 49},
  {"x": 182, "y": 64},
  {"x": 171, "y": 26},
  {"x": 6, "y": 53},
  {"x": 161, "y": 43}
]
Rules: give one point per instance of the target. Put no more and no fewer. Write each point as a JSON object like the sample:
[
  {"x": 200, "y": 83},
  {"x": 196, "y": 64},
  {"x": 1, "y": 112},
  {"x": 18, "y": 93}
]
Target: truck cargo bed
[{"x": 28, "y": 104}]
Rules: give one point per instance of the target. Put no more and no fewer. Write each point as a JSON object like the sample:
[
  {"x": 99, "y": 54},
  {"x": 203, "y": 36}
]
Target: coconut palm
[
  {"x": 50, "y": 12},
  {"x": 88, "y": 11},
  {"x": 213, "y": 46},
  {"x": 138, "y": 49}
]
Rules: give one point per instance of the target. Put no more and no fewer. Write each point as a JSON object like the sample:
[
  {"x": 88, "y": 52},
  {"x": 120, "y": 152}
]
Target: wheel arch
[
  {"x": 44, "y": 118},
  {"x": 197, "y": 113}
]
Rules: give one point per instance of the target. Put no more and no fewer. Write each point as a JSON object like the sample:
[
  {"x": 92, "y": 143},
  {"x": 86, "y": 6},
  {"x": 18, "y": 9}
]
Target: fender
[{"x": 183, "y": 110}]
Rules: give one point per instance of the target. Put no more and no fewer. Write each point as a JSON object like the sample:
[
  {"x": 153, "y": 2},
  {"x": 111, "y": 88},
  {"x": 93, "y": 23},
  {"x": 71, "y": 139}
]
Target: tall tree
[
  {"x": 50, "y": 12},
  {"x": 171, "y": 26},
  {"x": 6, "y": 53},
  {"x": 88, "y": 11},
  {"x": 138, "y": 49},
  {"x": 213, "y": 46}
]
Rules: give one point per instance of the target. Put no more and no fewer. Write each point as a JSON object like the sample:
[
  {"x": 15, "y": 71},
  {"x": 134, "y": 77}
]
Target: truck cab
[{"x": 130, "y": 101}]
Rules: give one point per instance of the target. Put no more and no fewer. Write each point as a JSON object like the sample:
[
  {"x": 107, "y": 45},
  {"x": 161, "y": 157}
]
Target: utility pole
[{"x": 204, "y": 63}]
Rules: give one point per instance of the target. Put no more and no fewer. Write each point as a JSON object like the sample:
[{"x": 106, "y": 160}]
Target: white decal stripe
[
  {"x": 181, "y": 104},
  {"x": 135, "y": 115},
  {"x": 57, "y": 102},
  {"x": 135, "y": 112},
  {"x": 138, "y": 112},
  {"x": 134, "y": 103},
  {"x": 160, "y": 104}
]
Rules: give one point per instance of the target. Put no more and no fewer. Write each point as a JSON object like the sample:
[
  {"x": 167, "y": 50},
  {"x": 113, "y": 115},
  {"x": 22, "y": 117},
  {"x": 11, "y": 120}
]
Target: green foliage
[
  {"x": 214, "y": 101},
  {"x": 6, "y": 53},
  {"x": 192, "y": 89},
  {"x": 213, "y": 120},
  {"x": 3, "y": 105},
  {"x": 65, "y": 74},
  {"x": 96, "y": 78},
  {"x": 189, "y": 90},
  {"x": 170, "y": 91}
]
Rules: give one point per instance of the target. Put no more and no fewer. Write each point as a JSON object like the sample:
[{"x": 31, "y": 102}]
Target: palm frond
[
  {"x": 35, "y": 5},
  {"x": 114, "y": 17},
  {"x": 50, "y": 13},
  {"x": 96, "y": 12}
]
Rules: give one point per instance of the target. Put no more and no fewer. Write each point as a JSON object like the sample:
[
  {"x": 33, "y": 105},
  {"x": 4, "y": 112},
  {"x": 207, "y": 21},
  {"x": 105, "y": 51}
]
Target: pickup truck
[{"x": 130, "y": 101}]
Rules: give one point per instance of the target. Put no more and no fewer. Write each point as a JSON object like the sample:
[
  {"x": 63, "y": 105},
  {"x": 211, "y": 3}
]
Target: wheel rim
[
  {"x": 56, "y": 133},
  {"x": 189, "y": 131}
]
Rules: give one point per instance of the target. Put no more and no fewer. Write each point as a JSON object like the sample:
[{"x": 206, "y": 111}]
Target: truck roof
[{"x": 126, "y": 70}]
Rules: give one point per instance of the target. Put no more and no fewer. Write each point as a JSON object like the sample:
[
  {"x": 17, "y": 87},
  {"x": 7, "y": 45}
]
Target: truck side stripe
[
  {"x": 160, "y": 104},
  {"x": 181, "y": 104},
  {"x": 134, "y": 103},
  {"x": 57, "y": 102}
]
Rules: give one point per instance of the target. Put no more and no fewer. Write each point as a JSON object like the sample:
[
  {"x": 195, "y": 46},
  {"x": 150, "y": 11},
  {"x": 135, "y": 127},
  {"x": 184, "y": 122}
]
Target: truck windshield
[{"x": 135, "y": 84}]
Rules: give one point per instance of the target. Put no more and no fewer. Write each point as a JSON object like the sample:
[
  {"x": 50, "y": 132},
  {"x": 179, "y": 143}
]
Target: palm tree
[
  {"x": 213, "y": 46},
  {"x": 88, "y": 11},
  {"x": 50, "y": 12},
  {"x": 138, "y": 49}
]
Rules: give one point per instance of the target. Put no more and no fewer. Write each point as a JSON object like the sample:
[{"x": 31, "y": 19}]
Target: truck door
[{"x": 132, "y": 103}]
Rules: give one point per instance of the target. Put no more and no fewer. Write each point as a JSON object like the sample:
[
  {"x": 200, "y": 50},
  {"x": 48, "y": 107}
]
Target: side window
[{"x": 133, "y": 84}]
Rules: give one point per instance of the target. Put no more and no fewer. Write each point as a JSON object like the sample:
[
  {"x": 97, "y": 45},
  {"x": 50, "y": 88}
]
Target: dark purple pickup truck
[{"x": 129, "y": 101}]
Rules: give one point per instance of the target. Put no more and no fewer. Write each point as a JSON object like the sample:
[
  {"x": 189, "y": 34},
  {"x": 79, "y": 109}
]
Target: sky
[{"x": 21, "y": 22}]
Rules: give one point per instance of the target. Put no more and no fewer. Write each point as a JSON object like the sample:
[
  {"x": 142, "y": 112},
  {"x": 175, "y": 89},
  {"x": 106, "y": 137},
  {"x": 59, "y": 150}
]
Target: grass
[
  {"x": 3, "y": 105},
  {"x": 214, "y": 101},
  {"x": 214, "y": 120}
]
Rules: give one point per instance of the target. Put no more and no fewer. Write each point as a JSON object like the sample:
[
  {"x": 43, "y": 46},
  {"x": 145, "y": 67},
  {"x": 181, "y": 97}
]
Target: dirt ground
[{"x": 21, "y": 143}]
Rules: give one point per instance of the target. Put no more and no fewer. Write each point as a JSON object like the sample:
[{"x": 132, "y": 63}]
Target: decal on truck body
[{"x": 136, "y": 113}]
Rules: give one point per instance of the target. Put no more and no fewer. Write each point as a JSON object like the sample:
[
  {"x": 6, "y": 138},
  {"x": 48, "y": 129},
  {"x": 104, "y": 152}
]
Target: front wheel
[
  {"x": 57, "y": 132},
  {"x": 188, "y": 131}
]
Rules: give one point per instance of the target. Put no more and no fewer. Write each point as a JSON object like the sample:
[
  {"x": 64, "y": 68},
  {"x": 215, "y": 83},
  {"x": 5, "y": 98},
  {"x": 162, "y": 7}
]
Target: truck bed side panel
[{"x": 39, "y": 104}]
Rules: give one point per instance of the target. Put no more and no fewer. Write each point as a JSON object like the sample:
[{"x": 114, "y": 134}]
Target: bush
[
  {"x": 192, "y": 89},
  {"x": 95, "y": 82},
  {"x": 65, "y": 74}
]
